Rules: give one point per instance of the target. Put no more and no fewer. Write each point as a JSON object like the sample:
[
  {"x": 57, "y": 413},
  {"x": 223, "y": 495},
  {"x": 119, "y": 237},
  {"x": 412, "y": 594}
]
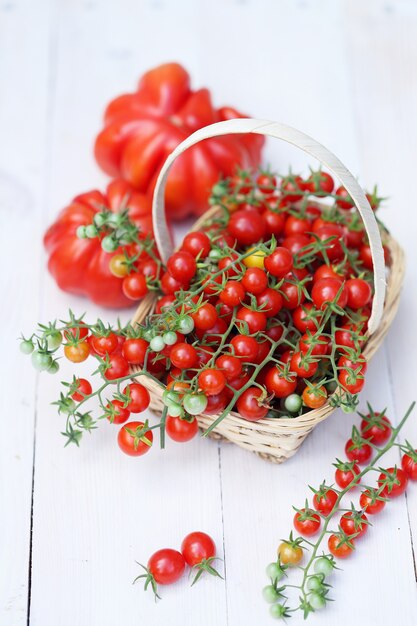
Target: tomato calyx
[
  {"x": 149, "y": 580},
  {"x": 139, "y": 434},
  {"x": 205, "y": 565}
]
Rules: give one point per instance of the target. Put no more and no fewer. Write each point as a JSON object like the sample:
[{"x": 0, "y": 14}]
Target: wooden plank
[
  {"x": 24, "y": 76},
  {"x": 385, "y": 97},
  {"x": 95, "y": 510}
]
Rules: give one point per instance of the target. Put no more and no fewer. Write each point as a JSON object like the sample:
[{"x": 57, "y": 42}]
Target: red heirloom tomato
[
  {"x": 81, "y": 266},
  {"x": 142, "y": 128}
]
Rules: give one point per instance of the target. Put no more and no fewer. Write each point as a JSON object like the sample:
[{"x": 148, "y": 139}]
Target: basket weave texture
[{"x": 278, "y": 439}]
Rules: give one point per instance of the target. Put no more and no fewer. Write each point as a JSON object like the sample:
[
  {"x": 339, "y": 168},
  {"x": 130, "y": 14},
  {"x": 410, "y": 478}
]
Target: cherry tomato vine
[{"x": 330, "y": 545}]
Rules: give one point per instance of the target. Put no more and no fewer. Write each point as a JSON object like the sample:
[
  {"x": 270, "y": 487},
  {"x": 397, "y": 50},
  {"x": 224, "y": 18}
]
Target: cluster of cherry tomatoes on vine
[
  {"x": 375, "y": 437},
  {"x": 263, "y": 311}
]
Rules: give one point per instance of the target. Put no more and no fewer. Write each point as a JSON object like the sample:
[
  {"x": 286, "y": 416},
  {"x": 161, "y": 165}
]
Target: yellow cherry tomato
[
  {"x": 256, "y": 259},
  {"x": 118, "y": 266},
  {"x": 77, "y": 352},
  {"x": 289, "y": 554}
]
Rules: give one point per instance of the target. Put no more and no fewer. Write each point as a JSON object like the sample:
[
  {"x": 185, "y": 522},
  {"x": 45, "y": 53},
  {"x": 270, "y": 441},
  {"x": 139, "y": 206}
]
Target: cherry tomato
[
  {"x": 250, "y": 404},
  {"x": 181, "y": 430},
  {"x": 255, "y": 280},
  {"x": 317, "y": 345},
  {"x": 354, "y": 524},
  {"x": 244, "y": 347},
  {"x": 279, "y": 263},
  {"x": 198, "y": 547},
  {"x": 166, "y": 566},
  {"x": 292, "y": 188},
  {"x": 409, "y": 464},
  {"x": 134, "y": 350},
  {"x": 270, "y": 302},
  {"x": 370, "y": 502},
  {"x": 303, "y": 366},
  {"x": 279, "y": 383},
  {"x": 78, "y": 332},
  {"x": 77, "y": 352},
  {"x": 205, "y": 317},
  {"x": 118, "y": 265},
  {"x": 256, "y": 259},
  {"x": 253, "y": 321},
  {"x": 266, "y": 183},
  {"x": 314, "y": 397},
  {"x": 289, "y": 553},
  {"x": 134, "y": 286},
  {"x": 139, "y": 397},
  {"x": 274, "y": 222},
  {"x": 296, "y": 226},
  {"x": 326, "y": 291},
  {"x": 211, "y": 381},
  {"x": 338, "y": 547},
  {"x": 353, "y": 383},
  {"x": 393, "y": 482},
  {"x": 104, "y": 344},
  {"x": 83, "y": 389},
  {"x": 230, "y": 365},
  {"x": 247, "y": 227},
  {"x": 376, "y": 427},
  {"x": 343, "y": 201},
  {"x": 306, "y": 317},
  {"x": 197, "y": 243},
  {"x": 297, "y": 245},
  {"x": 233, "y": 293},
  {"x": 319, "y": 183},
  {"x": 134, "y": 440},
  {"x": 358, "y": 451},
  {"x": 182, "y": 266},
  {"x": 183, "y": 355},
  {"x": 324, "y": 500},
  {"x": 118, "y": 367},
  {"x": 307, "y": 522},
  {"x": 117, "y": 412},
  {"x": 332, "y": 236},
  {"x": 293, "y": 294},
  {"x": 359, "y": 293},
  {"x": 345, "y": 474}
]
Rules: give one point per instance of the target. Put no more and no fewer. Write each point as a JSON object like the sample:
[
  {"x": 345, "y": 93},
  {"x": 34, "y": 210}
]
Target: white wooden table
[{"x": 73, "y": 521}]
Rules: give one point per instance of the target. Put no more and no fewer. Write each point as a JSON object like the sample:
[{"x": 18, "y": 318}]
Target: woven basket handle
[{"x": 309, "y": 145}]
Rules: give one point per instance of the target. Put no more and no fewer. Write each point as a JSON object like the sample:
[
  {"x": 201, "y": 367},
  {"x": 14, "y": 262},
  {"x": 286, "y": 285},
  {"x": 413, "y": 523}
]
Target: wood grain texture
[{"x": 94, "y": 511}]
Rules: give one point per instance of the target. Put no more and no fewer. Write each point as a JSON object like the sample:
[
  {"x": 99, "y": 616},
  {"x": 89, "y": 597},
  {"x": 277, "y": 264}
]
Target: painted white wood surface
[{"x": 342, "y": 71}]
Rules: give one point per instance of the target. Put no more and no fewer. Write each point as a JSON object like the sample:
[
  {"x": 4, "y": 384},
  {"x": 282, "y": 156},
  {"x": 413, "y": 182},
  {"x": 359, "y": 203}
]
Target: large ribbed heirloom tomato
[{"x": 142, "y": 128}]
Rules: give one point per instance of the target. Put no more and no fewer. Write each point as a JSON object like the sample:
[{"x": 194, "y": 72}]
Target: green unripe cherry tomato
[
  {"x": 293, "y": 403},
  {"x": 91, "y": 231},
  {"x": 175, "y": 410},
  {"x": 157, "y": 344},
  {"x": 109, "y": 244},
  {"x": 323, "y": 565},
  {"x": 53, "y": 339},
  {"x": 67, "y": 406},
  {"x": 315, "y": 583},
  {"x": 41, "y": 361},
  {"x": 170, "y": 337},
  {"x": 53, "y": 368},
  {"x": 170, "y": 397},
  {"x": 270, "y": 594},
  {"x": 316, "y": 600},
  {"x": 26, "y": 346},
  {"x": 277, "y": 611},
  {"x": 275, "y": 572},
  {"x": 215, "y": 254},
  {"x": 195, "y": 403},
  {"x": 100, "y": 219},
  {"x": 81, "y": 234},
  {"x": 186, "y": 324}
]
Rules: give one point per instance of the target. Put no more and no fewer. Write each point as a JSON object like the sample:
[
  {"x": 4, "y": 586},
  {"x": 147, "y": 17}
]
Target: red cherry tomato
[
  {"x": 354, "y": 524},
  {"x": 250, "y": 404},
  {"x": 307, "y": 522},
  {"x": 134, "y": 440},
  {"x": 393, "y": 482},
  {"x": 134, "y": 350},
  {"x": 83, "y": 389},
  {"x": 181, "y": 430},
  {"x": 166, "y": 566},
  {"x": 139, "y": 397}
]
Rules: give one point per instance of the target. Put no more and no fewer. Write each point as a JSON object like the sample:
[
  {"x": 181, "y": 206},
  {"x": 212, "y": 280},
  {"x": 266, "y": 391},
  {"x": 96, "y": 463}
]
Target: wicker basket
[{"x": 278, "y": 439}]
